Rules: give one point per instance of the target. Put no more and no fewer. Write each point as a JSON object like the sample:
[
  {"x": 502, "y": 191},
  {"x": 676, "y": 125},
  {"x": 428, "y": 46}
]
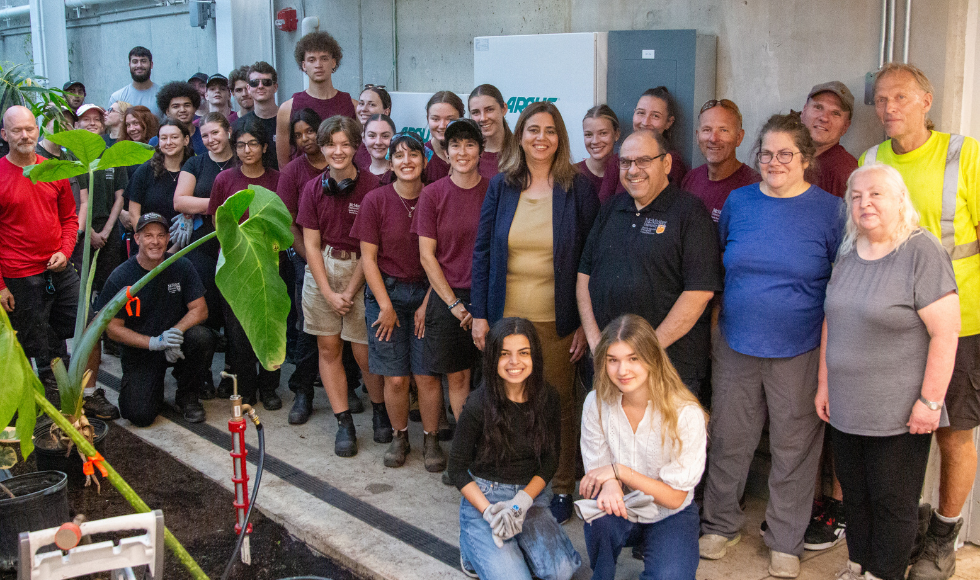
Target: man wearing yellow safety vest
[{"x": 942, "y": 172}]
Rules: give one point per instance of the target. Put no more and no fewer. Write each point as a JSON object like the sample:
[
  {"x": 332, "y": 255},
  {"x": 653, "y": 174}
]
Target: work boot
[
  {"x": 381, "y": 424},
  {"x": 346, "y": 443},
  {"x": 96, "y": 405},
  {"x": 270, "y": 400},
  {"x": 398, "y": 450},
  {"x": 938, "y": 558},
  {"x": 302, "y": 407},
  {"x": 193, "y": 411},
  {"x": 354, "y": 404},
  {"x": 925, "y": 514},
  {"x": 432, "y": 453}
]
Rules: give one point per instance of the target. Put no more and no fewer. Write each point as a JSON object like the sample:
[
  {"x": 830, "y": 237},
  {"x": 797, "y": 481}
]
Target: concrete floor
[{"x": 346, "y": 525}]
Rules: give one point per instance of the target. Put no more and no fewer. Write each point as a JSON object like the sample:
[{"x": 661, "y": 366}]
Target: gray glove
[
  {"x": 167, "y": 339},
  {"x": 508, "y": 522},
  {"x": 180, "y": 231},
  {"x": 173, "y": 353},
  {"x": 489, "y": 514}
]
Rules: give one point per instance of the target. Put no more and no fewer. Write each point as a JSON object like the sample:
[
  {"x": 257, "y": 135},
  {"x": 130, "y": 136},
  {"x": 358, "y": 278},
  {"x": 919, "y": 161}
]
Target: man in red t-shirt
[
  {"x": 38, "y": 226},
  {"x": 827, "y": 114}
]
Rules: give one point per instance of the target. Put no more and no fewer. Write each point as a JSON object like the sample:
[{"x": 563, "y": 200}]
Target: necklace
[
  {"x": 173, "y": 175},
  {"x": 409, "y": 209},
  {"x": 223, "y": 164}
]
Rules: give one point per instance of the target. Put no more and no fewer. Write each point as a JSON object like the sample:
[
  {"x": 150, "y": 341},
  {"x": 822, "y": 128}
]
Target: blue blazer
[{"x": 573, "y": 214}]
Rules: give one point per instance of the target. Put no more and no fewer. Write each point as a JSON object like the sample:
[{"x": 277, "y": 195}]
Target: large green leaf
[
  {"x": 17, "y": 386},
  {"x": 248, "y": 269},
  {"x": 125, "y": 153},
  {"x": 86, "y": 146},
  {"x": 54, "y": 170}
]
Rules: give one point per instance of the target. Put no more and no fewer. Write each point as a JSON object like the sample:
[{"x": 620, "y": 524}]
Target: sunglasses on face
[{"x": 254, "y": 83}]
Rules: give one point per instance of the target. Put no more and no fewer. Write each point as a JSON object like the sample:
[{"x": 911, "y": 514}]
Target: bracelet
[{"x": 453, "y": 305}]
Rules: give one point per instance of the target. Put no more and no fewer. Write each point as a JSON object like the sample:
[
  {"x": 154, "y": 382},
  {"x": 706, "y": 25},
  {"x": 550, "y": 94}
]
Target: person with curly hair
[{"x": 179, "y": 101}]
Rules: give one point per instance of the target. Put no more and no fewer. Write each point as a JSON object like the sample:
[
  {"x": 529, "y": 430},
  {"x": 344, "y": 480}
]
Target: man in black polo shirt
[
  {"x": 653, "y": 251},
  {"x": 160, "y": 328}
]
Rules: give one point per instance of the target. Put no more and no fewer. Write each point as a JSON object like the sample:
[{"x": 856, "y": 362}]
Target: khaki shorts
[{"x": 320, "y": 318}]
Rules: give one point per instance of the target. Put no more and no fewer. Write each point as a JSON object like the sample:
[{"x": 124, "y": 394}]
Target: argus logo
[{"x": 518, "y": 104}]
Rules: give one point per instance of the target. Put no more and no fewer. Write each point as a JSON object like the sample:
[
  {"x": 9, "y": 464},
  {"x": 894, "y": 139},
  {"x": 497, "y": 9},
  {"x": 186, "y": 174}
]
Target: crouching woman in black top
[{"x": 504, "y": 454}]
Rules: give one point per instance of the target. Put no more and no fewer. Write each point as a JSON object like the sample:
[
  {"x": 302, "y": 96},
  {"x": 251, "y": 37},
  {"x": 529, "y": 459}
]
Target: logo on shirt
[
  {"x": 716, "y": 214},
  {"x": 653, "y": 226},
  {"x": 173, "y": 287},
  {"x": 353, "y": 208}
]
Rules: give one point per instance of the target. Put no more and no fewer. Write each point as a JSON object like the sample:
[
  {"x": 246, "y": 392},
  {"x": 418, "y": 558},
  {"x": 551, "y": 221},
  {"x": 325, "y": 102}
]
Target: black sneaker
[
  {"x": 561, "y": 507},
  {"x": 826, "y": 529},
  {"x": 193, "y": 411},
  {"x": 96, "y": 405}
]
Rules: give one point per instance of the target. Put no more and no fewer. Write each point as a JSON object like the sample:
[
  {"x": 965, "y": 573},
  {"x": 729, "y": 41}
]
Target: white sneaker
[
  {"x": 714, "y": 547},
  {"x": 851, "y": 571},
  {"x": 782, "y": 565}
]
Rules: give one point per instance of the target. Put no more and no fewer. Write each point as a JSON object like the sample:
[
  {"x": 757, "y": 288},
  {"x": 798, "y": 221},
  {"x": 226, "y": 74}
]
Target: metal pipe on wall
[
  {"x": 908, "y": 26},
  {"x": 25, "y": 9},
  {"x": 884, "y": 33},
  {"x": 891, "y": 30}
]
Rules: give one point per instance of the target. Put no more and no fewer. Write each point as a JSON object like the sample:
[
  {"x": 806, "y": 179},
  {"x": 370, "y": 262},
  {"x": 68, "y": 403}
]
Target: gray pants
[{"x": 746, "y": 388}]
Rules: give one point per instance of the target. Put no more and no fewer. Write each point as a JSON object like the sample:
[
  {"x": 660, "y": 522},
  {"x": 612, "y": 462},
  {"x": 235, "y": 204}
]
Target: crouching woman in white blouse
[{"x": 643, "y": 445}]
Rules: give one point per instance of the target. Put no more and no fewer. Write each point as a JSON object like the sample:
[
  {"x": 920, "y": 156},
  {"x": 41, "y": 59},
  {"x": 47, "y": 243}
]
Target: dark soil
[{"x": 197, "y": 511}]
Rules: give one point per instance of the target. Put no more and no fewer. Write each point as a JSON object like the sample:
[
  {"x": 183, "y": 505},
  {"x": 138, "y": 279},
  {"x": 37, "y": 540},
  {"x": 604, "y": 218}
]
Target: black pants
[
  {"x": 252, "y": 377},
  {"x": 45, "y": 308},
  {"x": 143, "y": 371},
  {"x": 109, "y": 255},
  {"x": 881, "y": 478}
]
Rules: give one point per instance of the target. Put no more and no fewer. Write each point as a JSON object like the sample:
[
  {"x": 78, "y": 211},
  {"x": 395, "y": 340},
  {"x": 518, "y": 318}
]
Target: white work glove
[
  {"x": 509, "y": 521},
  {"x": 167, "y": 339},
  {"x": 173, "y": 353},
  {"x": 180, "y": 231},
  {"x": 489, "y": 514}
]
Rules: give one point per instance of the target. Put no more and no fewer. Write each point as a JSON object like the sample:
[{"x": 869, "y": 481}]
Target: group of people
[{"x": 486, "y": 271}]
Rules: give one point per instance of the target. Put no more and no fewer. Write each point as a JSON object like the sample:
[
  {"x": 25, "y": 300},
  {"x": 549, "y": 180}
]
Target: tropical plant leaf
[
  {"x": 86, "y": 146},
  {"x": 54, "y": 170},
  {"x": 125, "y": 153},
  {"x": 248, "y": 269},
  {"x": 18, "y": 386}
]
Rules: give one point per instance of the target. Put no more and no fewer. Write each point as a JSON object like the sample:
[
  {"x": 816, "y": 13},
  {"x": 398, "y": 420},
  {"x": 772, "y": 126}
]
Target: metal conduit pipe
[
  {"x": 884, "y": 33},
  {"x": 891, "y": 30},
  {"x": 908, "y": 26},
  {"x": 25, "y": 9}
]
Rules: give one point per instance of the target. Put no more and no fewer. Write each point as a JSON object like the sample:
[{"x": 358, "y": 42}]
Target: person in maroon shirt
[
  {"x": 601, "y": 130},
  {"x": 827, "y": 114},
  {"x": 250, "y": 141},
  {"x": 443, "y": 108},
  {"x": 374, "y": 100},
  {"x": 394, "y": 302},
  {"x": 318, "y": 55},
  {"x": 377, "y": 138},
  {"x": 333, "y": 289},
  {"x": 719, "y": 133},
  {"x": 656, "y": 111},
  {"x": 488, "y": 108}
]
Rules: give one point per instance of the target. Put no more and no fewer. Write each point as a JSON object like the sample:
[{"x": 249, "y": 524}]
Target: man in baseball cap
[
  {"x": 218, "y": 96},
  {"x": 199, "y": 81},
  {"x": 827, "y": 114},
  {"x": 74, "y": 94},
  {"x": 159, "y": 327}
]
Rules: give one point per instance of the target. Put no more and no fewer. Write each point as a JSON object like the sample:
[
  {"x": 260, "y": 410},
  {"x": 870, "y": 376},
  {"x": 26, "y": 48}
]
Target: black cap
[
  {"x": 70, "y": 84},
  {"x": 217, "y": 78},
  {"x": 199, "y": 76},
  {"x": 151, "y": 218},
  {"x": 464, "y": 129}
]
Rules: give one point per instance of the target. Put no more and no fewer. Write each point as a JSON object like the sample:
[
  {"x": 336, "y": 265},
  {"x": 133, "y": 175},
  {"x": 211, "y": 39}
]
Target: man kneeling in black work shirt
[{"x": 160, "y": 329}]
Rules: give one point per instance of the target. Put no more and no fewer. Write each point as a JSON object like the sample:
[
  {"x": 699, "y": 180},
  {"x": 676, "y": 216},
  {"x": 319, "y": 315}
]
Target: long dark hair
[
  {"x": 497, "y": 432},
  {"x": 157, "y": 161}
]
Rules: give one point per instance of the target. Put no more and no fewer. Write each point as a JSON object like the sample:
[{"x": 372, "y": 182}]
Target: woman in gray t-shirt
[{"x": 888, "y": 346}]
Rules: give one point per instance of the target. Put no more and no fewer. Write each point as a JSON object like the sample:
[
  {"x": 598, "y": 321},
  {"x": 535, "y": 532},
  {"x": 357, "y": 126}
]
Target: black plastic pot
[
  {"x": 51, "y": 455},
  {"x": 40, "y": 502}
]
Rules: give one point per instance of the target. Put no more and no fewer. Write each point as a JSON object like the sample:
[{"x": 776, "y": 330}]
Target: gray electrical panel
[{"x": 681, "y": 60}]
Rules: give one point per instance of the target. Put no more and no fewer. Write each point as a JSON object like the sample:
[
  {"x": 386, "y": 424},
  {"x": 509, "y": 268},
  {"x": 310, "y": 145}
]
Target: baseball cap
[
  {"x": 217, "y": 78},
  {"x": 839, "y": 89},
  {"x": 70, "y": 84},
  {"x": 151, "y": 218},
  {"x": 199, "y": 76},
  {"x": 88, "y": 107},
  {"x": 464, "y": 129}
]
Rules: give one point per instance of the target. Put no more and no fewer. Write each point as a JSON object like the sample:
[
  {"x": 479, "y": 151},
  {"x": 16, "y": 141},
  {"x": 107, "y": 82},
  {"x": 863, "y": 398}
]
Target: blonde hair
[
  {"x": 908, "y": 217},
  {"x": 665, "y": 389},
  {"x": 918, "y": 76}
]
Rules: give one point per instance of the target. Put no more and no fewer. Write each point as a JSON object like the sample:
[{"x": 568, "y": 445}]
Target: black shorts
[
  {"x": 45, "y": 307},
  {"x": 963, "y": 395},
  {"x": 447, "y": 348}
]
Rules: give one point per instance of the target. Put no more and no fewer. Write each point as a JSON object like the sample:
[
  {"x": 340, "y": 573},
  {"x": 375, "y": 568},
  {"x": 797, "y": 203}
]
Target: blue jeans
[
  {"x": 670, "y": 546},
  {"x": 541, "y": 549}
]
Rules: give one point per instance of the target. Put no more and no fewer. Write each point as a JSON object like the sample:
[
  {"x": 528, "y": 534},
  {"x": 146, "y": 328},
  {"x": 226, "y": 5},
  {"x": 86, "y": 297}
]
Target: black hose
[{"x": 251, "y": 504}]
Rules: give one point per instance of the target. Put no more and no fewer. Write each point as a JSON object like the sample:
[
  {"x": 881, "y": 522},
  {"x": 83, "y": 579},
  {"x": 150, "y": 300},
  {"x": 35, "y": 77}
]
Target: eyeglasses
[
  {"x": 254, "y": 83},
  {"x": 641, "y": 162},
  {"x": 243, "y": 145},
  {"x": 725, "y": 103},
  {"x": 372, "y": 86},
  {"x": 784, "y": 157}
]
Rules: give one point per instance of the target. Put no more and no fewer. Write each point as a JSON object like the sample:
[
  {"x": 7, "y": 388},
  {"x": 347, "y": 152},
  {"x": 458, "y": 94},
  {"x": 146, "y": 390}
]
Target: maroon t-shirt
[
  {"x": 339, "y": 104},
  {"x": 333, "y": 215},
  {"x": 450, "y": 215},
  {"x": 231, "y": 181},
  {"x": 292, "y": 178},
  {"x": 362, "y": 158},
  {"x": 677, "y": 167},
  {"x": 607, "y": 185},
  {"x": 834, "y": 166},
  {"x": 435, "y": 167},
  {"x": 489, "y": 164},
  {"x": 384, "y": 221},
  {"x": 714, "y": 193}
]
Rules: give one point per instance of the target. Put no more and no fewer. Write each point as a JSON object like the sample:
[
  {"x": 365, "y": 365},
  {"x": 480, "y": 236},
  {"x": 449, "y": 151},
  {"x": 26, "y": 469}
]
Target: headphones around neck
[{"x": 330, "y": 186}]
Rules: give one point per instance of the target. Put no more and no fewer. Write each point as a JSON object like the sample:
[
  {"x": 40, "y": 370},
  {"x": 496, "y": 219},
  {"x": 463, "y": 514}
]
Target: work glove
[
  {"x": 173, "y": 353},
  {"x": 489, "y": 514},
  {"x": 180, "y": 231},
  {"x": 509, "y": 521},
  {"x": 167, "y": 338}
]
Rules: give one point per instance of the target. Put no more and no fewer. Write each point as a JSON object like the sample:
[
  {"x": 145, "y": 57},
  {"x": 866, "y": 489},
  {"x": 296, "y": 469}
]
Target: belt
[{"x": 341, "y": 254}]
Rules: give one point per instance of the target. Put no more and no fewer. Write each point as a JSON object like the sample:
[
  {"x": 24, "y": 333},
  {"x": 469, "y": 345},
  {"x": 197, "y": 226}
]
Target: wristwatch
[{"x": 933, "y": 405}]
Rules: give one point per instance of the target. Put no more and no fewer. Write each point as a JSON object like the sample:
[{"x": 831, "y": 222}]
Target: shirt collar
[{"x": 661, "y": 203}]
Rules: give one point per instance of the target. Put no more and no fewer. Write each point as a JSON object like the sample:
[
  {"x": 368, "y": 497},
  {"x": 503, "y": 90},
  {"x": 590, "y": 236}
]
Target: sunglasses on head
[
  {"x": 254, "y": 83},
  {"x": 372, "y": 86}
]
